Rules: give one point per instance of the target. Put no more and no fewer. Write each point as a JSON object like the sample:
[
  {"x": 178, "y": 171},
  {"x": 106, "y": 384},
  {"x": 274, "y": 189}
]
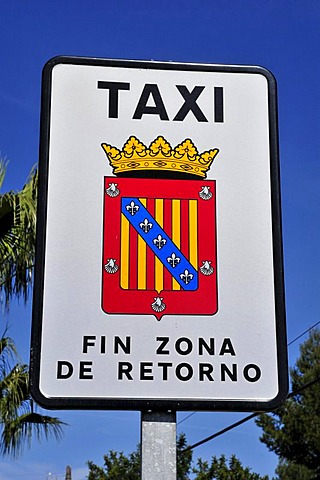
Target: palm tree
[
  {"x": 19, "y": 421},
  {"x": 17, "y": 237}
]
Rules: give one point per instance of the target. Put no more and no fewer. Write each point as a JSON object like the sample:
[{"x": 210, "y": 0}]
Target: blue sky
[{"x": 282, "y": 36}]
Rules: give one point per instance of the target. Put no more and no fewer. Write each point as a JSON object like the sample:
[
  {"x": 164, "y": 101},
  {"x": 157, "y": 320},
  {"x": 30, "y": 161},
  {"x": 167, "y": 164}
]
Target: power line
[
  {"x": 288, "y": 345},
  {"x": 186, "y": 418},
  {"x": 246, "y": 419},
  {"x": 301, "y": 335}
]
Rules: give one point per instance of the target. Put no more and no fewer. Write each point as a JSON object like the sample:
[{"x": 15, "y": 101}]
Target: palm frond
[
  {"x": 8, "y": 353},
  {"x": 7, "y": 347},
  {"x": 14, "y": 393},
  {"x": 17, "y": 238},
  {"x": 19, "y": 422},
  {"x": 20, "y": 431},
  {"x": 3, "y": 169}
]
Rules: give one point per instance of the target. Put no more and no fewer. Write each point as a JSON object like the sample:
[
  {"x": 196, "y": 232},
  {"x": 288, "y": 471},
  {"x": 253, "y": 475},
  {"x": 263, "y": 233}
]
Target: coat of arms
[{"x": 159, "y": 245}]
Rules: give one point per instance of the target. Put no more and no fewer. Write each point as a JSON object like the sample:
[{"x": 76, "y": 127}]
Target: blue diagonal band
[{"x": 160, "y": 243}]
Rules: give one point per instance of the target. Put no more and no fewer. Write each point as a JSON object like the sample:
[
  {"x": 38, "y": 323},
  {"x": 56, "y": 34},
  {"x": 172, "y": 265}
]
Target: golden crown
[{"x": 135, "y": 156}]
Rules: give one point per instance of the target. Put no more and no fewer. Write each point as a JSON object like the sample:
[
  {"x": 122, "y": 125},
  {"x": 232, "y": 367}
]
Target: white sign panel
[{"x": 159, "y": 280}]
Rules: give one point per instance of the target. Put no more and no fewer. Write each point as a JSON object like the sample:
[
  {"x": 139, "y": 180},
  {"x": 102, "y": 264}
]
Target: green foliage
[
  {"x": 17, "y": 237},
  {"x": 291, "y": 471},
  {"x": 184, "y": 459},
  {"x": 293, "y": 430},
  {"x": 221, "y": 469},
  {"x": 117, "y": 466},
  {"x": 18, "y": 420}
]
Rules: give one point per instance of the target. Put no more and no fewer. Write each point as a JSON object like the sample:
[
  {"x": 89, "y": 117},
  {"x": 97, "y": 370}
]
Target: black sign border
[{"x": 93, "y": 403}]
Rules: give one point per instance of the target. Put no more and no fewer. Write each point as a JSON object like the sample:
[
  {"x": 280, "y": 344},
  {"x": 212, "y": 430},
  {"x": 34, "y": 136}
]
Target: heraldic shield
[{"x": 159, "y": 246}]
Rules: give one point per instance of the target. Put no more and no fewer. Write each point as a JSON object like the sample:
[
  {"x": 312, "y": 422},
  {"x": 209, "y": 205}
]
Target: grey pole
[{"x": 158, "y": 446}]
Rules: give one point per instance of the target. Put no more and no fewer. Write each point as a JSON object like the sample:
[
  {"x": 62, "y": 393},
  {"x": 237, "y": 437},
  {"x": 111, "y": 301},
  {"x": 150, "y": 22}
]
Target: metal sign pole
[{"x": 158, "y": 446}]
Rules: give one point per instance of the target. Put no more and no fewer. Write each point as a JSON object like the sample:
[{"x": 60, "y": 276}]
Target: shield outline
[{"x": 119, "y": 301}]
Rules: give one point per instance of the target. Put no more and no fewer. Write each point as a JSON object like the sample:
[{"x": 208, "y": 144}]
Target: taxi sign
[{"x": 159, "y": 270}]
